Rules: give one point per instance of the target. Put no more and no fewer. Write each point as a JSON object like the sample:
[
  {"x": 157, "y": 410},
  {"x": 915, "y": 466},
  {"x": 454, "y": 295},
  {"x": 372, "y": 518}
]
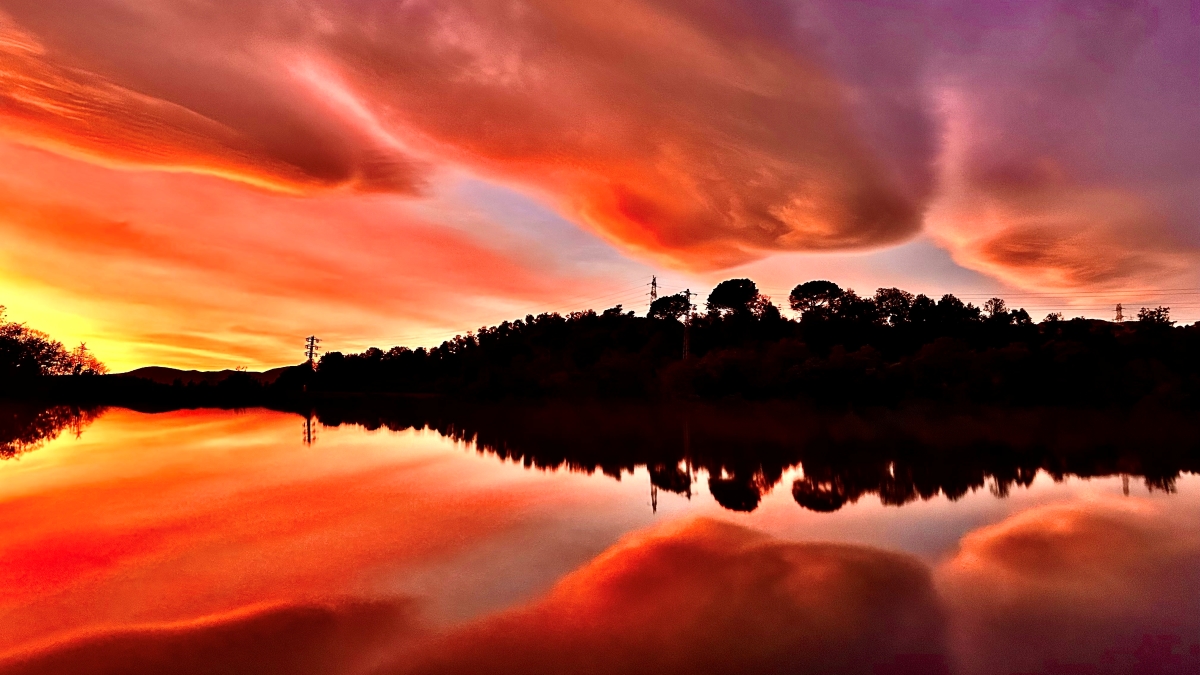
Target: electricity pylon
[
  {"x": 311, "y": 348},
  {"x": 687, "y": 324}
]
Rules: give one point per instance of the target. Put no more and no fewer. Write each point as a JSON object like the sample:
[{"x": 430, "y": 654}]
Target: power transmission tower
[
  {"x": 687, "y": 325},
  {"x": 1120, "y": 313},
  {"x": 687, "y": 455},
  {"x": 653, "y": 289},
  {"x": 310, "y": 433},
  {"x": 311, "y": 348}
]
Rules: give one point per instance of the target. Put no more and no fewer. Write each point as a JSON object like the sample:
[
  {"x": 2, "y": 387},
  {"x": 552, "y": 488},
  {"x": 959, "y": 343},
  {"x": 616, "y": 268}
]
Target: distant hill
[{"x": 164, "y": 375}]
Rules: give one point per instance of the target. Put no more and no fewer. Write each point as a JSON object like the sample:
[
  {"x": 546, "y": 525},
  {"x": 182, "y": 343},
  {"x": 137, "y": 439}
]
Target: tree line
[{"x": 843, "y": 348}]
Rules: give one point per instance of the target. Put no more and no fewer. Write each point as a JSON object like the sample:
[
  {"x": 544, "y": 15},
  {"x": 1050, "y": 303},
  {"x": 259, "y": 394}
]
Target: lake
[{"x": 210, "y": 541}]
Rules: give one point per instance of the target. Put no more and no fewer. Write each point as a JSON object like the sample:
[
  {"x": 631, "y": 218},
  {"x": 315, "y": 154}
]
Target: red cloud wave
[
  {"x": 80, "y": 113},
  {"x": 674, "y": 129},
  {"x": 704, "y": 596},
  {"x": 1075, "y": 584}
]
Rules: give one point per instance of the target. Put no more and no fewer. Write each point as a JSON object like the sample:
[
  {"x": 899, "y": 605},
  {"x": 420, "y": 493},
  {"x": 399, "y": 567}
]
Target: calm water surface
[{"x": 214, "y": 541}]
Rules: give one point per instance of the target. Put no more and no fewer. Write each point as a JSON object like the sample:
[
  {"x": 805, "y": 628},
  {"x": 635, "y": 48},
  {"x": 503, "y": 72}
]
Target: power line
[{"x": 624, "y": 295}]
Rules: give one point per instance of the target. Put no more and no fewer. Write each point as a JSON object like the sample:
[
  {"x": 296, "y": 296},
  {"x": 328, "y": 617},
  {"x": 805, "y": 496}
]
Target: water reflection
[
  {"x": 900, "y": 456},
  {"x": 25, "y": 427},
  {"x": 216, "y": 542},
  {"x": 1040, "y": 593}
]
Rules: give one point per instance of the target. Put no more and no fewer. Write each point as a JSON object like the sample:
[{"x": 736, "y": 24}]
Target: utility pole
[
  {"x": 311, "y": 348},
  {"x": 1120, "y": 313}
]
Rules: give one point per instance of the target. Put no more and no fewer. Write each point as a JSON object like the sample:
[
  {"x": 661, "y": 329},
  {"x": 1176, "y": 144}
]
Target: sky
[{"x": 202, "y": 184}]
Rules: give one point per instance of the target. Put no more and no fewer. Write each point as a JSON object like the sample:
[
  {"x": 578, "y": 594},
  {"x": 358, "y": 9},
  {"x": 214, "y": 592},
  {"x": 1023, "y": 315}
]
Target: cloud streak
[{"x": 676, "y": 130}]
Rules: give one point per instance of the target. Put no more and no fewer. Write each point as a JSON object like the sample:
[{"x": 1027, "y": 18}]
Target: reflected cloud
[
  {"x": 706, "y": 596},
  {"x": 348, "y": 639},
  {"x": 691, "y": 596},
  {"x": 1097, "y": 588}
]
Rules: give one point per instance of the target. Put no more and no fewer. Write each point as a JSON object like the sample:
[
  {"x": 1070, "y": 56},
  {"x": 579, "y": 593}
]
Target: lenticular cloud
[{"x": 1047, "y": 144}]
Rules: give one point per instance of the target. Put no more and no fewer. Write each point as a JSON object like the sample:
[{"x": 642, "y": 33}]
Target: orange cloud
[
  {"x": 672, "y": 132},
  {"x": 683, "y": 132},
  {"x": 1063, "y": 238},
  {"x": 83, "y": 114}
]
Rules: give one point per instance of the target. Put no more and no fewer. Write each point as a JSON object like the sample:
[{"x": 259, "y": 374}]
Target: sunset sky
[{"x": 202, "y": 183}]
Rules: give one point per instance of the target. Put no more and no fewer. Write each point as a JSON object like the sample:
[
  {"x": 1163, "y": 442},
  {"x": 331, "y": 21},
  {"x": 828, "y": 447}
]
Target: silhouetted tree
[
  {"x": 952, "y": 310},
  {"x": 996, "y": 308},
  {"x": 894, "y": 305},
  {"x": 81, "y": 361},
  {"x": 849, "y": 306},
  {"x": 816, "y": 297},
  {"x": 1160, "y": 316},
  {"x": 734, "y": 296}
]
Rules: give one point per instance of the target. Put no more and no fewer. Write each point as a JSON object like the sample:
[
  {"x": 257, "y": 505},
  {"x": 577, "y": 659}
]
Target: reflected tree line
[
  {"x": 25, "y": 427},
  {"x": 745, "y": 449}
]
